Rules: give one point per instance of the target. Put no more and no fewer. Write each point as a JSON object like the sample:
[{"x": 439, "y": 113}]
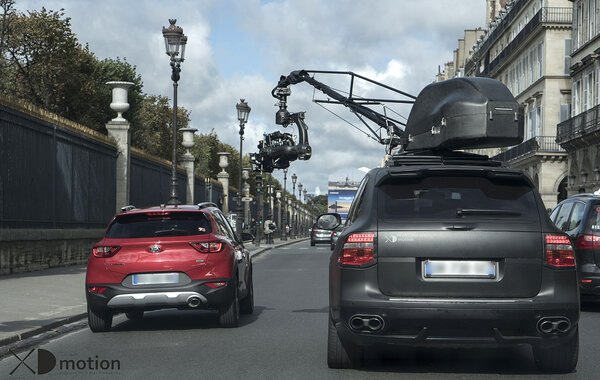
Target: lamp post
[
  {"x": 284, "y": 224},
  {"x": 175, "y": 42},
  {"x": 305, "y": 211},
  {"x": 259, "y": 216},
  {"x": 243, "y": 110},
  {"x": 294, "y": 178}
]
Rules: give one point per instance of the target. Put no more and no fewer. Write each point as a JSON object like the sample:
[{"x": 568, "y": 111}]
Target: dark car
[
  {"x": 579, "y": 217},
  {"x": 319, "y": 235},
  {"x": 451, "y": 249},
  {"x": 184, "y": 257}
]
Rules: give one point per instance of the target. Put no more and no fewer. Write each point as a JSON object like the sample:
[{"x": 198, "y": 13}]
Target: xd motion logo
[{"x": 46, "y": 362}]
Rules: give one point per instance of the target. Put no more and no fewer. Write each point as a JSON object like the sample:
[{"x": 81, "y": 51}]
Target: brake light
[
  {"x": 207, "y": 246},
  {"x": 215, "y": 285},
  {"x": 559, "y": 251},
  {"x": 105, "y": 251},
  {"x": 588, "y": 242},
  {"x": 359, "y": 249}
]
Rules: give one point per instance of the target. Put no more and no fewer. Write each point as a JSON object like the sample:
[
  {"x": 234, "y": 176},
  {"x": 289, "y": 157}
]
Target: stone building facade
[
  {"x": 526, "y": 45},
  {"x": 580, "y": 134}
]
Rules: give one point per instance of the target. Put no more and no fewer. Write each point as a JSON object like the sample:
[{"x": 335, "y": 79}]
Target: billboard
[{"x": 339, "y": 197}]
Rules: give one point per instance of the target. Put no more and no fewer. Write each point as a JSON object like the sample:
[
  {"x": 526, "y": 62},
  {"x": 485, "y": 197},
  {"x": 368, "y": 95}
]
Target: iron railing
[
  {"x": 545, "y": 144},
  {"x": 580, "y": 125}
]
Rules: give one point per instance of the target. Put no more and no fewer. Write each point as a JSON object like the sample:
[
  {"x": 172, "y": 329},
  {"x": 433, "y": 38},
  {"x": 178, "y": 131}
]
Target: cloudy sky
[{"x": 239, "y": 49}]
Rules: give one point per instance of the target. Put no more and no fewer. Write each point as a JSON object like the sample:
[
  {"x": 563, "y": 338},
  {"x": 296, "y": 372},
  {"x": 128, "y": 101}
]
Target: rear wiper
[
  {"x": 172, "y": 231},
  {"x": 482, "y": 211}
]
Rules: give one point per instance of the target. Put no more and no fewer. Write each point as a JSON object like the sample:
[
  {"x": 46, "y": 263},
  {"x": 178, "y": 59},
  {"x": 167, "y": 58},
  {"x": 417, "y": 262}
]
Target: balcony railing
[
  {"x": 580, "y": 125},
  {"x": 554, "y": 15},
  {"x": 545, "y": 144}
]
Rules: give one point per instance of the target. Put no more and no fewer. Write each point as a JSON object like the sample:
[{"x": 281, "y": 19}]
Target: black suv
[
  {"x": 579, "y": 217},
  {"x": 446, "y": 247},
  {"x": 451, "y": 253}
]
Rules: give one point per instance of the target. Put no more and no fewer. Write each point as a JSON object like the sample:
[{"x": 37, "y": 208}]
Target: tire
[
  {"x": 247, "y": 304},
  {"x": 229, "y": 314},
  {"x": 561, "y": 358},
  {"x": 135, "y": 314},
  {"x": 99, "y": 320},
  {"x": 342, "y": 354},
  {"x": 312, "y": 243}
]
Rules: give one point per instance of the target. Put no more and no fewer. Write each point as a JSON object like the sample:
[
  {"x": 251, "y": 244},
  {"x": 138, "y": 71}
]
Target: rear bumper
[
  {"x": 441, "y": 320},
  {"x": 120, "y": 298},
  {"x": 589, "y": 281}
]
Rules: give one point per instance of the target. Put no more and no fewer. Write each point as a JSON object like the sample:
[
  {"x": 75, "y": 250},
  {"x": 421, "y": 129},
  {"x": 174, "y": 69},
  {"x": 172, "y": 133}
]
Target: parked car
[
  {"x": 579, "y": 217},
  {"x": 451, "y": 250},
  {"x": 319, "y": 235},
  {"x": 184, "y": 257}
]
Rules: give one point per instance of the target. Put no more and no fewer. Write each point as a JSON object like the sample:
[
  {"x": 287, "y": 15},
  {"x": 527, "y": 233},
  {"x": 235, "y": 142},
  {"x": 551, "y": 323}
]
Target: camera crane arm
[{"x": 356, "y": 105}]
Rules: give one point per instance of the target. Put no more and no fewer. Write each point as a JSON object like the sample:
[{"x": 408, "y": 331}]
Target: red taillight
[
  {"x": 103, "y": 251},
  {"x": 216, "y": 285},
  {"x": 97, "y": 289},
  {"x": 559, "y": 252},
  {"x": 207, "y": 246},
  {"x": 588, "y": 242},
  {"x": 359, "y": 249}
]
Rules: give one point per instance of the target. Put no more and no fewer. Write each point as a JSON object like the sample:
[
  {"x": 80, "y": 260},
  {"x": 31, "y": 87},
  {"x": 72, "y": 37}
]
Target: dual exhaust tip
[
  {"x": 551, "y": 325},
  {"x": 366, "y": 323}
]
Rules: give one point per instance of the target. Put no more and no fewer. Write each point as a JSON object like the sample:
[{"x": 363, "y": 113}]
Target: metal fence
[
  {"x": 53, "y": 177},
  {"x": 535, "y": 144}
]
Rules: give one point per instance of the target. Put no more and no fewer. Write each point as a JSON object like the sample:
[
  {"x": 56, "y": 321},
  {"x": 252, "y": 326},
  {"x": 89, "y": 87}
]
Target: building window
[
  {"x": 518, "y": 78},
  {"x": 567, "y": 55},
  {"x": 538, "y": 121},
  {"x": 588, "y": 88},
  {"x": 576, "y": 106},
  {"x": 530, "y": 122},
  {"x": 565, "y": 111},
  {"x": 540, "y": 55}
]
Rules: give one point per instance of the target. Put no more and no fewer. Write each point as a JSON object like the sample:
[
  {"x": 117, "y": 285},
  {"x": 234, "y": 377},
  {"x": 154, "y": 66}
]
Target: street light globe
[{"x": 243, "y": 110}]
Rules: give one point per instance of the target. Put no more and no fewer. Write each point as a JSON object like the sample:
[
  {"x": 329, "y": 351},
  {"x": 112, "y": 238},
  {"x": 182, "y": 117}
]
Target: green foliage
[{"x": 320, "y": 201}]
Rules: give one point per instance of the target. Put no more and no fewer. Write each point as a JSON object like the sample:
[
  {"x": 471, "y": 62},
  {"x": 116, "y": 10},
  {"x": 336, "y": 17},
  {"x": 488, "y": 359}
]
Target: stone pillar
[
  {"x": 246, "y": 193},
  {"x": 118, "y": 129},
  {"x": 187, "y": 161},
  {"x": 223, "y": 177}
]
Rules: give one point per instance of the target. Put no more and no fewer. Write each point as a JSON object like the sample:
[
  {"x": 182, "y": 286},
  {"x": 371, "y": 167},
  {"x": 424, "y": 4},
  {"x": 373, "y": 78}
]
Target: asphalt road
[{"x": 284, "y": 339}]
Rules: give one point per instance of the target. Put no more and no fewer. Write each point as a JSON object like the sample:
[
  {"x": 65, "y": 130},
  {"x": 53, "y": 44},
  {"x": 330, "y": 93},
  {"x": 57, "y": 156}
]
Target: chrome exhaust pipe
[
  {"x": 366, "y": 322},
  {"x": 554, "y": 325},
  {"x": 193, "y": 301}
]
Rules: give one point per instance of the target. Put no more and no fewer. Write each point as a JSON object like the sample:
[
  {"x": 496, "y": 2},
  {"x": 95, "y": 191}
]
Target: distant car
[
  {"x": 451, "y": 250},
  {"x": 579, "y": 217},
  {"x": 184, "y": 257},
  {"x": 318, "y": 235},
  {"x": 334, "y": 236}
]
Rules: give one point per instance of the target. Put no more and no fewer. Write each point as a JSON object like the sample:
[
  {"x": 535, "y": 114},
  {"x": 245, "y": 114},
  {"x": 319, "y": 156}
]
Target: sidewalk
[{"x": 36, "y": 302}]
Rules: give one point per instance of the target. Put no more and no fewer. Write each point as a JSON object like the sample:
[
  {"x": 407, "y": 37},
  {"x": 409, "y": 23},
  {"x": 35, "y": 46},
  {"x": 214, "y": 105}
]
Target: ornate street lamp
[
  {"x": 300, "y": 192},
  {"x": 294, "y": 178},
  {"x": 175, "y": 42},
  {"x": 243, "y": 110},
  {"x": 285, "y": 222}
]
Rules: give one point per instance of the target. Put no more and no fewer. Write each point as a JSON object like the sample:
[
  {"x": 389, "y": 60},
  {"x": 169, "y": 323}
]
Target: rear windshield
[
  {"x": 162, "y": 224},
  {"x": 457, "y": 197}
]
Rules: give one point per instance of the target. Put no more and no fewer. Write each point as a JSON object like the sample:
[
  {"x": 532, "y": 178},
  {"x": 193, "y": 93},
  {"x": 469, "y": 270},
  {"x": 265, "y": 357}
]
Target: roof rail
[
  {"x": 441, "y": 157},
  {"x": 206, "y": 204},
  {"x": 127, "y": 208}
]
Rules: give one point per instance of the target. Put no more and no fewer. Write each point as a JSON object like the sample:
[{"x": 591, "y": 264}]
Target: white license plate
[
  {"x": 459, "y": 269},
  {"x": 155, "y": 278}
]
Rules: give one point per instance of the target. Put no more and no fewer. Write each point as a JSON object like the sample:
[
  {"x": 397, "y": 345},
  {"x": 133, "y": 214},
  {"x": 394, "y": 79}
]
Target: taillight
[
  {"x": 207, "y": 246},
  {"x": 215, "y": 285},
  {"x": 588, "y": 242},
  {"x": 97, "y": 289},
  {"x": 359, "y": 249},
  {"x": 559, "y": 252},
  {"x": 105, "y": 251}
]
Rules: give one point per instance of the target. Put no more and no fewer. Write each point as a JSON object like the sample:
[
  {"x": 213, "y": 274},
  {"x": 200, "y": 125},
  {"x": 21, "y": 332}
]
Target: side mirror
[
  {"x": 247, "y": 237},
  {"x": 329, "y": 221}
]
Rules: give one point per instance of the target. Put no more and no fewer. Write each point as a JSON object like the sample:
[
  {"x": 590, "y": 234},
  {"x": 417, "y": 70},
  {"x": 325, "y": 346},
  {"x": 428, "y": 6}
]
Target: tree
[{"x": 320, "y": 201}]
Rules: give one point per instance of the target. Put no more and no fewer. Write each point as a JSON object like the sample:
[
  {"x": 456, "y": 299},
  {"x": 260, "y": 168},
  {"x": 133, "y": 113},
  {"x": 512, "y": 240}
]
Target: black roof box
[{"x": 464, "y": 113}]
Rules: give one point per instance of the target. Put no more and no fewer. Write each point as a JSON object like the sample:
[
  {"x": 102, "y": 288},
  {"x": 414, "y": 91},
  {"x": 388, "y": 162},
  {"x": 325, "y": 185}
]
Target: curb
[
  {"x": 74, "y": 318},
  {"x": 42, "y": 329}
]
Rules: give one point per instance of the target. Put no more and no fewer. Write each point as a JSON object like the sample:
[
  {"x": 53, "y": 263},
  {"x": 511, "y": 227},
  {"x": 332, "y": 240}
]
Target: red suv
[{"x": 184, "y": 257}]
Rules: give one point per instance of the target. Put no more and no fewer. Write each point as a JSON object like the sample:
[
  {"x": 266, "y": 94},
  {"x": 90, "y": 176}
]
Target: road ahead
[{"x": 284, "y": 339}]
